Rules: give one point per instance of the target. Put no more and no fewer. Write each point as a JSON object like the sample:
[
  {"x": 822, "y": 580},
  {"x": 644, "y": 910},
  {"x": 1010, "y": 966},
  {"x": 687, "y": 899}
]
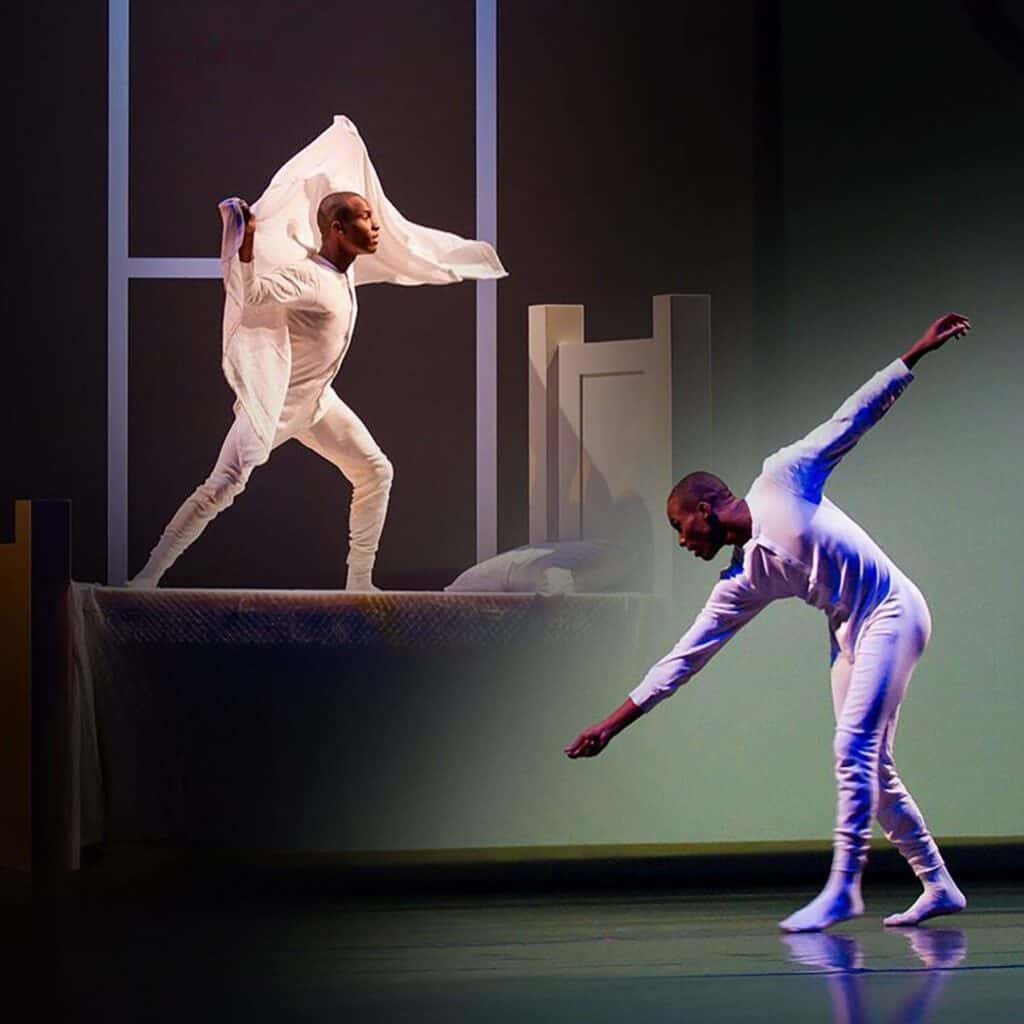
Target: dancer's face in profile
[
  {"x": 700, "y": 530},
  {"x": 359, "y": 232}
]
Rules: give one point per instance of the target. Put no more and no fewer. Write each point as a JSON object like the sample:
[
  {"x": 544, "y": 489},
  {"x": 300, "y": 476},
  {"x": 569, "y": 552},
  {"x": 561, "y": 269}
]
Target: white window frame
[{"x": 123, "y": 268}]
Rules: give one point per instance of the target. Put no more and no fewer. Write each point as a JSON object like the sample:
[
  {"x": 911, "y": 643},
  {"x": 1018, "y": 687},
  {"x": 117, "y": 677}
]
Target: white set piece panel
[
  {"x": 603, "y": 456},
  {"x": 683, "y": 322},
  {"x": 550, "y": 327},
  {"x": 614, "y": 447}
]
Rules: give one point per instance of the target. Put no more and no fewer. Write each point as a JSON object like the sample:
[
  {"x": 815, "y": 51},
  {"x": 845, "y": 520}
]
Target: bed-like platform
[
  {"x": 329, "y": 721},
  {"x": 320, "y": 720}
]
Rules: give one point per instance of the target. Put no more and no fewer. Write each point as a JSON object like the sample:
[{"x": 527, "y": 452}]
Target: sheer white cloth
[{"x": 256, "y": 349}]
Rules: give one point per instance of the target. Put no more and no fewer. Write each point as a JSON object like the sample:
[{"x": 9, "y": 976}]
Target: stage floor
[{"x": 271, "y": 945}]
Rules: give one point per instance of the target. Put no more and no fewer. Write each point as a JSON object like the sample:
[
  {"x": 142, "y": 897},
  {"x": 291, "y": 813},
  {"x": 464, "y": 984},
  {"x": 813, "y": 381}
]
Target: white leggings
[
  {"x": 866, "y": 695},
  {"x": 339, "y": 436}
]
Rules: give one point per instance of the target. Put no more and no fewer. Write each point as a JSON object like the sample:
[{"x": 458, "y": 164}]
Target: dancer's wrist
[{"x": 624, "y": 715}]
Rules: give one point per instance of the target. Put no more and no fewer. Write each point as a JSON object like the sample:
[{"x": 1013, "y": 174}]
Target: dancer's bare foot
[
  {"x": 941, "y": 896},
  {"x": 838, "y": 901}
]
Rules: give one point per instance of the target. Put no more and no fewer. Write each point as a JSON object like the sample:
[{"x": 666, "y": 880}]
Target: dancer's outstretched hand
[
  {"x": 590, "y": 742},
  {"x": 952, "y": 325}
]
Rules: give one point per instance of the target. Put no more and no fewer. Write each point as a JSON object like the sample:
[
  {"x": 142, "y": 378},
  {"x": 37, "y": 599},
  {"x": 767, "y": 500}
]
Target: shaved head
[
  {"x": 698, "y": 487},
  {"x": 334, "y": 207}
]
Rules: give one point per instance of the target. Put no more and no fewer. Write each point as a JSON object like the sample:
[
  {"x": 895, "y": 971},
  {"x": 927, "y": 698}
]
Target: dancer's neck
[
  {"x": 735, "y": 517},
  {"x": 338, "y": 258}
]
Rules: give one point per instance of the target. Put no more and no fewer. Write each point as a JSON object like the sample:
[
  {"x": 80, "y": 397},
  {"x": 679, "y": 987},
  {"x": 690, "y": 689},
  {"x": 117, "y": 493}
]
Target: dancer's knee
[
  {"x": 378, "y": 475},
  {"x": 889, "y": 783},
  {"x": 856, "y": 757},
  {"x": 221, "y": 488},
  {"x": 384, "y": 471}
]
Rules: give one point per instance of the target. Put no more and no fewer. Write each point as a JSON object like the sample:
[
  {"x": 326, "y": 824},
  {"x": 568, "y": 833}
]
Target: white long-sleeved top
[
  {"x": 320, "y": 306},
  {"x": 801, "y": 545}
]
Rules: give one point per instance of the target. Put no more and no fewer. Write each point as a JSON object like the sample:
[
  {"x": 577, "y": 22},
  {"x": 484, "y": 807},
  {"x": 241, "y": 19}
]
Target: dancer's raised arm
[
  {"x": 295, "y": 286},
  {"x": 245, "y": 251},
  {"x": 804, "y": 466}
]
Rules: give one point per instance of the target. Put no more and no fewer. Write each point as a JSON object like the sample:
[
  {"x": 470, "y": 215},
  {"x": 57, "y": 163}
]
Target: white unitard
[
  {"x": 803, "y": 546},
  {"x": 320, "y": 306},
  {"x": 288, "y": 321}
]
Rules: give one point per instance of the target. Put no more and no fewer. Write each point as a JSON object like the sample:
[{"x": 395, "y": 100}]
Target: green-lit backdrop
[
  {"x": 901, "y": 196},
  {"x": 901, "y": 166}
]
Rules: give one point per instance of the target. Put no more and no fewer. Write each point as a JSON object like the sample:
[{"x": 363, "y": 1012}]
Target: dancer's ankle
[
  {"x": 143, "y": 582},
  {"x": 844, "y": 880},
  {"x": 936, "y": 878}
]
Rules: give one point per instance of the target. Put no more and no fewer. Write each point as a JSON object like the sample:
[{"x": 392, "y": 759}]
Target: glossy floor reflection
[
  {"x": 939, "y": 950},
  {"x": 260, "y": 949}
]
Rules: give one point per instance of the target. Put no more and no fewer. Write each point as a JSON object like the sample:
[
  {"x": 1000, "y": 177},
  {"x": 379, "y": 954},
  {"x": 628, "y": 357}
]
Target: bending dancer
[
  {"x": 791, "y": 541},
  {"x": 290, "y": 310}
]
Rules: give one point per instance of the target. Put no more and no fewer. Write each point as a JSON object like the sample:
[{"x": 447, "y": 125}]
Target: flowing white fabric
[{"x": 256, "y": 353}]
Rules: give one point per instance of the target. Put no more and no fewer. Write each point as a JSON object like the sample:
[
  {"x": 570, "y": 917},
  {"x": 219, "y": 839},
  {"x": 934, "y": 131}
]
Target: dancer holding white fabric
[
  {"x": 791, "y": 541},
  {"x": 289, "y": 313}
]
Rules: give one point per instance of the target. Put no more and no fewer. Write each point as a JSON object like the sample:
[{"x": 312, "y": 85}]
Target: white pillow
[{"x": 554, "y": 567}]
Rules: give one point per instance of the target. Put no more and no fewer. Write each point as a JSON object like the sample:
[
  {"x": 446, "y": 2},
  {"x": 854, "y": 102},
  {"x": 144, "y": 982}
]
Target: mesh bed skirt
[{"x": 312, "y": 720}]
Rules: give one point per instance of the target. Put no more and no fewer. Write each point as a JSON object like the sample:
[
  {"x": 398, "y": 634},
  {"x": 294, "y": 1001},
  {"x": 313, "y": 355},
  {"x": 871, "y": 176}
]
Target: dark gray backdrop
[{"x": 642, "y": 148}]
